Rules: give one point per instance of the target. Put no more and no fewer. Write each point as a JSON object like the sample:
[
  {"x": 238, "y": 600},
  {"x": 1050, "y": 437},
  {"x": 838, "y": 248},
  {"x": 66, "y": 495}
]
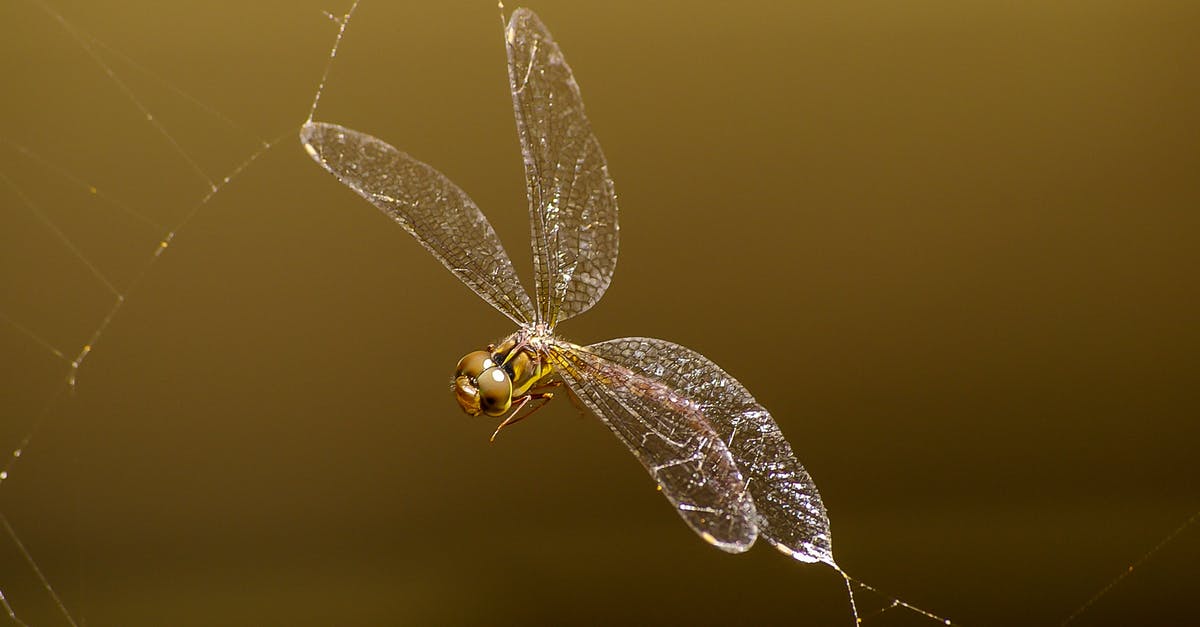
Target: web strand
[
  {"x": 68, "y": 382},
  {"x": 1191, "y": 520},
  {"x": 62, "y": 237},
  {"x": 9, "y": 610},
  {"x": 892, "y": 602},
  {"x": 165, "y": 84},
  {"x": 342, "y": 23},
  {"x": 81, "y": 184},
  {"x": 33, "y": 336},
  {"x": 38, "y": 571},
  {"x": 85, "y": 43},
  {"x": 77, "y": 362}
]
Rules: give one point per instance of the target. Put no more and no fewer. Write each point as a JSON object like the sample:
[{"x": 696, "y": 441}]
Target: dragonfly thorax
[{"x": 487, "y": 381}]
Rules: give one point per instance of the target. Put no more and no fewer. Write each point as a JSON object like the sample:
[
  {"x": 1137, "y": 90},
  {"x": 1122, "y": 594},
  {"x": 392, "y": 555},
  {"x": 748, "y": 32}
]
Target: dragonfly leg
[
  {"x": 559, "y": 383},
  {"x": 570, "y": 394},
  {"x": 532, "y": 395}
]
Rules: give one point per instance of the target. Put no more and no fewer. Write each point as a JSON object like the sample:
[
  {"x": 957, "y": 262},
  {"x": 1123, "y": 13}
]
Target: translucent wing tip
[
  {"x": 732, "y": 531},
  {"x": 808, "y": 555},
  {"x": 522, "y": 13},
  {"x": 738, "y": 546},
  {"x": 310, "y": 139},
  {"x": 333, "y": 147},
  {"x": 524, "y": 25}
]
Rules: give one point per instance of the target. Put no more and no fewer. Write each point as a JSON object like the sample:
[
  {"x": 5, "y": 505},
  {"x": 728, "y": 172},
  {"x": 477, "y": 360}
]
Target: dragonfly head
[{"x": 481, "y": 385}]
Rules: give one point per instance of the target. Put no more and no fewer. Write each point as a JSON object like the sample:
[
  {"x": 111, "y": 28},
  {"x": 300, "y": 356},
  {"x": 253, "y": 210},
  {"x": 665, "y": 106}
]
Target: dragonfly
[{"x": 715, "y": 453}]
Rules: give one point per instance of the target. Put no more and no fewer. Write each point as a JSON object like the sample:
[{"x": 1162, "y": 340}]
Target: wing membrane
[
  {"x": 790, "y": 513},
  {"x": 428, "y": 205},
  {"x": 572, "y": 201},
  {"x": 669, "y": 435}
]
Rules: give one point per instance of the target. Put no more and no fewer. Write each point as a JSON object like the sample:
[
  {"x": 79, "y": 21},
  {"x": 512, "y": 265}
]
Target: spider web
[{"x": 253, "y": 431}]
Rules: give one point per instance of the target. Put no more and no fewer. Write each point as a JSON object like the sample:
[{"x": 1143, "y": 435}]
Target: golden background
[{"x": 951, "y": 246}]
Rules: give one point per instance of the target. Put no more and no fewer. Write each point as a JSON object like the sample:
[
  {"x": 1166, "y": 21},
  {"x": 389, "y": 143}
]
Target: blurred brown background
[{"x": 952, "y": 248}]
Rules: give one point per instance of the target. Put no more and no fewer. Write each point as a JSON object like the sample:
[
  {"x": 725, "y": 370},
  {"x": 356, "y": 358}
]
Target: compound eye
[
  {"x": 473, "y": 364},
  {"x": 495, "y": 392}
]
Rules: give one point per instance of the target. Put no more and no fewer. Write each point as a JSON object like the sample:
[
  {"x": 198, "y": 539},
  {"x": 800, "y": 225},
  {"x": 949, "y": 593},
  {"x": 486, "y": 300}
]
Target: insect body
[
  {"x": 503, "y": 378},
  {"x": 712, "y": 449}
]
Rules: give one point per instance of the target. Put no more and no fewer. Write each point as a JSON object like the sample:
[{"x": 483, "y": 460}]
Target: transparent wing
[
  {"x": 790, "y": 513},
  {"x": 669, "y": 435},
  {"x": 430, "y": 207},
  {"x": 572, "y": 202}
]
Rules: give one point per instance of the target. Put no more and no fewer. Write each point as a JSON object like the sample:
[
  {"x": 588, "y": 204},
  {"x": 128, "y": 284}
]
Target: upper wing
[
  {"x": 790, "y": 513},
  {"x": 572, "y": 202},
  {"x": 669, "y": 434},
  {"x": 430, "y": 207}
]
